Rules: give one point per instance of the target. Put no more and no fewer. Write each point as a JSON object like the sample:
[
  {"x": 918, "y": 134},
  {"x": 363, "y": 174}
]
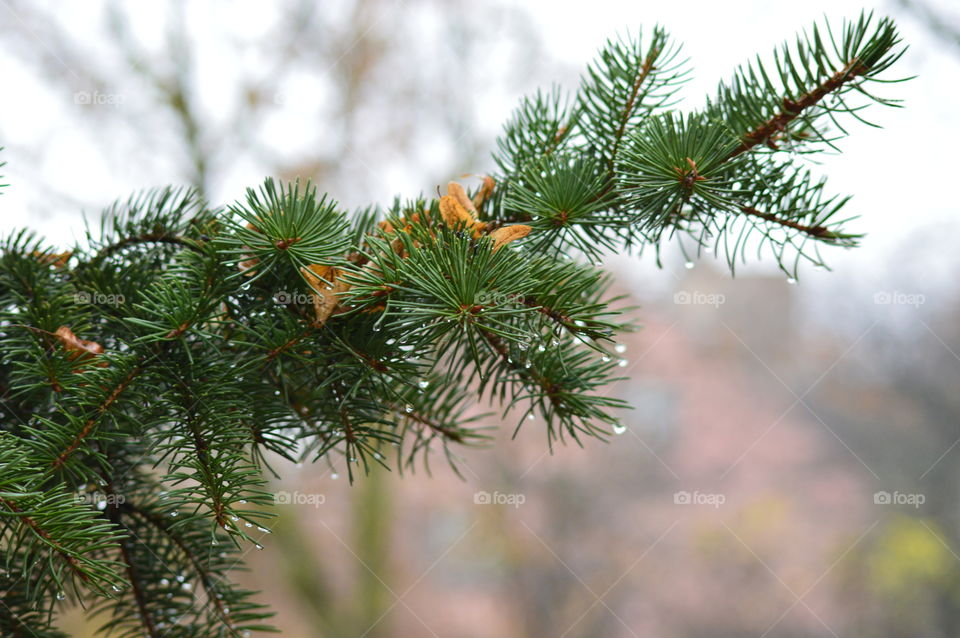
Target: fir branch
[{"x": 100, "y": 410}]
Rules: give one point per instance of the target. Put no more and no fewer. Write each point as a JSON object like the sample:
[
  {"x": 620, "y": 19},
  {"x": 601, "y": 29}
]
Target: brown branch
[
  {"x": 634, "y": 94},
  {"x": 813, "y": 231},
  {"x": 205, "y": 578},
  {"x": 793, "y": 108},
  {"x": 145, "y": 617},
  {"x": 42, "y": 533},
  {"x": 92, "y": 421},
  {"x": 550, "y": 388},
  {"x": 448, "y": 432}
]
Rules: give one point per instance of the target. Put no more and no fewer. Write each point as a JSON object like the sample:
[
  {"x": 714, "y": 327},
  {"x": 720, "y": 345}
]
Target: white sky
[{"x": 901, "y": 176}]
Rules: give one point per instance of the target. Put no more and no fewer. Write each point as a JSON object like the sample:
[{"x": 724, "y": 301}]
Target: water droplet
[
  {"x": 791, "y": 280},
  {"x": 114, "y": 588},
  {"x": 541, "y": 348},
  {"x": 530, "y": 417},
  {"x": 186, "y": 586},
  {"x": 408, "y": 408},
  {"x": 245, "y": 286},
  {"x": 334, "y": 476},
  {"x": 391, "y": 341},
  {"x": 242, "y": 502},
  {"x": 264, "y": 530},
  {"x": 619, "y": 428},
  {"x": 258, "y": 545},
  {"x": 164, "y": 582},
  {"x": 174, "y": 513},
  {"x": 622, "y": 363},
  {"x": 605, "y": 358},
  {"x": 248, "y": 524},
  {"x": 554, "y": 342},
  {"x": 181, "y": 578},
  {"x": 424, "y": 384},
  {"x": 234, "y": 519},
  {"x": 688, "y": 265}
]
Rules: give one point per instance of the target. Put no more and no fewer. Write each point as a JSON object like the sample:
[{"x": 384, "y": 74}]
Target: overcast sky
[{"x": 901, "y": 176}]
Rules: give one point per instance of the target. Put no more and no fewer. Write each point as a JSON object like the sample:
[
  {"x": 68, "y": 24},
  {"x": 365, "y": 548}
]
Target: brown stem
[
  {"x": 634, "y": 94},
  {"x": 550, "y": 389},
  {"x": 92, "y": 421},
  {"x": 793, "y": 108},
  {"x": 205, "y": 578},
  {"x": 450, "y": 433},
  {"x": 813, "y": 231},
  {"x": 145, "y": 617},
  {"x": 42, "y": 533}
]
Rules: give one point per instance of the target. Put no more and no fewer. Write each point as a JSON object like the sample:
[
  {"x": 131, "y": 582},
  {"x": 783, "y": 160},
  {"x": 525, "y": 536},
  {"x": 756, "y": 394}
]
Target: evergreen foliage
[{"x": 151, "y": 374}]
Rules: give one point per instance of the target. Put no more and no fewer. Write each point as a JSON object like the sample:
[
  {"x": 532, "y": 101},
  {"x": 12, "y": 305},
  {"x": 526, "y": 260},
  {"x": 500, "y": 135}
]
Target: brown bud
[
  {"x": 325, "y": 283},
  {"x": 76, "y": 347},
  {"x": 507, "y": 234},
  {"x": 455, "y": 190},
  {"x": 57, "y": 260},
  {"x": 486, "y": 189},
  {"x": 454, "y": 214}
]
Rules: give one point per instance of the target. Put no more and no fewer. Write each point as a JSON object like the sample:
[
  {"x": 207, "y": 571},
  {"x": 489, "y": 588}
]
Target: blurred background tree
[{"x": 220, "y": 94}]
